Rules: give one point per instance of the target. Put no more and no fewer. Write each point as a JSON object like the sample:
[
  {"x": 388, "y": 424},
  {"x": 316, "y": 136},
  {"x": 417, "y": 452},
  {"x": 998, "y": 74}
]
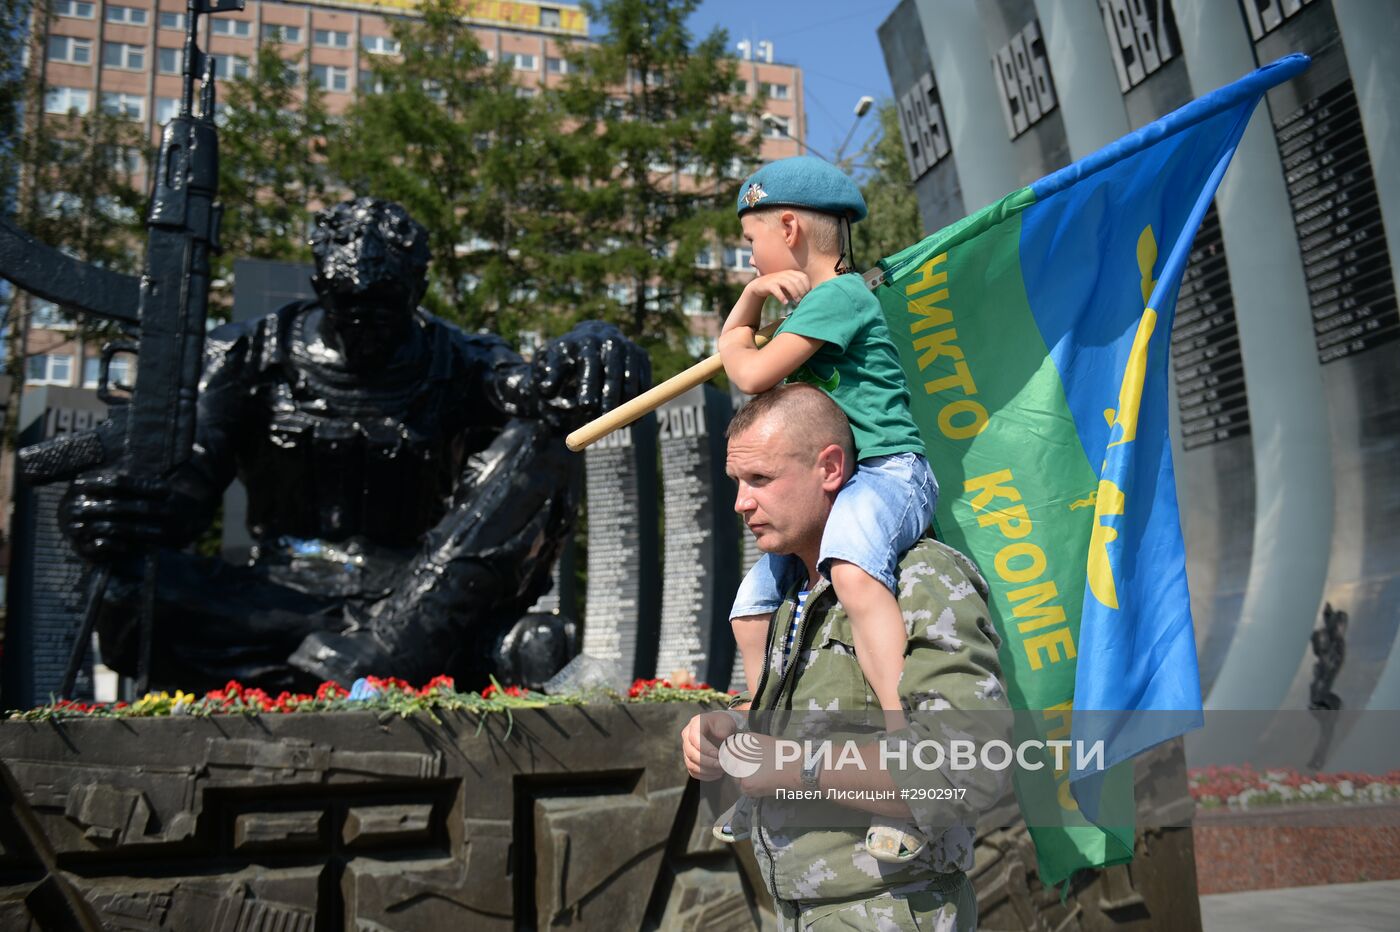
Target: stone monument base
[{"x": 577, "y": 816}]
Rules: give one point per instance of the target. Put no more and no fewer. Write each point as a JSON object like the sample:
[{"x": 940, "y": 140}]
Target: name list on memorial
[
  {"x": 694, "y": 625},
  {"x": 620, "y": 617},
  {"x": 1337, "y": 213},
  {"x": 1206, "y": 345}
]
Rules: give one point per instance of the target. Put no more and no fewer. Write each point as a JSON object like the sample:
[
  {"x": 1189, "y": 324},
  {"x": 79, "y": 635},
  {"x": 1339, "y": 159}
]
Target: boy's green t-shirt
[{"x": 858, "y": 366}]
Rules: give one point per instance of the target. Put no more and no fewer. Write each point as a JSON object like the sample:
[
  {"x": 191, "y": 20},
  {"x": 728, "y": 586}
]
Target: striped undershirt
[{"x": 792, "y": 629}]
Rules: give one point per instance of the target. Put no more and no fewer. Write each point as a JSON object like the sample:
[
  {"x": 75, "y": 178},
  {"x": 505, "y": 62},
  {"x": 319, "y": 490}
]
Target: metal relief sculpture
[
  {"x": 408, "y": 484},
  {"x": 1329, "y": 645}
]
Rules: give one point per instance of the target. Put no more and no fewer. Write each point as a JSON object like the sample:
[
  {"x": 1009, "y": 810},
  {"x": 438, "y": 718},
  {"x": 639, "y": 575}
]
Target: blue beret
[{"x": 803, "y": 181}]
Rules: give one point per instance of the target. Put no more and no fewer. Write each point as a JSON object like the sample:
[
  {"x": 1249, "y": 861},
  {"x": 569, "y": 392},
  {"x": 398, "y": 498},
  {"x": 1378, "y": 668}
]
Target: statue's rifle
[{"x": 152, "y": 433}]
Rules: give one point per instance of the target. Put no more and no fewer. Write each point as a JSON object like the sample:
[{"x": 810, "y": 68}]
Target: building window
[
  {"x": 118, "y": 372},
  {"x": 61, "y": 204},
  {"x": 126, "y": 106},
  {"x": 121, "y": 55},
  {"x": 741, "y": 86},
  {"x": 49, "y": 369},
  {"x": 125, "y": 159},
  {"x": 694, "y": 305},
  {"x": 227, "y": 67},
  {"x": 231, "y": 27},
  {"x": 74, "y": 8},
  {"x": 130, "y": 15},
  {"x": 166, "y": 109},
  {"x": 380, "y": 45},
  {"x": 550, "y": 18},
  {"x": 705, "y": 258},
  {"x": 64, "y": 99},
  {"x": 73, "y": 51},
  {"x": 737, "y": 258},
  {"x": 368, "y": 83},
  {"x": 172, "y": 20},
  {"x": 330, "y": 78},
  {"x": 700, "y": 346},
  {"x": 332, "y": 39},
  {"x": 774, "y": 91},
  {"x": 45, "y": 315},
  {"x": 287, "y": 35},
  {"x": 775, "y": 127},
  {"x": 520, "y": 61},
  {"x": 525, "y": 92},
  {"x": 170, "y": 61},
  {"x": 556, "y": 65}
]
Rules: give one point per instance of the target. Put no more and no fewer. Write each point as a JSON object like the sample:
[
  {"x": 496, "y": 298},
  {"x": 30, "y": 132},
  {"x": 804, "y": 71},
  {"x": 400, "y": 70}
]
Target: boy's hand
[{"x": 789, "y": 286}]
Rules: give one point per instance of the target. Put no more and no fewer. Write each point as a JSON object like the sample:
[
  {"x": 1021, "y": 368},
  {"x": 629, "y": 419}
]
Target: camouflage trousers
[{"x": 903, "y": 911}]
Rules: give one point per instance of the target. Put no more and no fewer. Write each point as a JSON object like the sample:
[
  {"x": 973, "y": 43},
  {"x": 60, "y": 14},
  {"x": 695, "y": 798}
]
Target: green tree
[
  {"x": 651, "y": 148},
  {"x": 894, "y": 220},
  {"x": 272, "y": 167},
  {"x": 72, "y": 184},
  {"x": 12, "y": 90},
  {"x": 447, "y": 135},
  {"x": 68, "y": 180}
]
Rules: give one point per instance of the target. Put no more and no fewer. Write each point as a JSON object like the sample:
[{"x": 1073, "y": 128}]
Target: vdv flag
[{"x": 1035, "y": 335}]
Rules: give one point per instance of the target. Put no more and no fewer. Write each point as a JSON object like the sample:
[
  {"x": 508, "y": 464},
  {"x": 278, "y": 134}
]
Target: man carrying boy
[
  {"x": 796, "y": 215},
  {"x": 790, "y": 451}
]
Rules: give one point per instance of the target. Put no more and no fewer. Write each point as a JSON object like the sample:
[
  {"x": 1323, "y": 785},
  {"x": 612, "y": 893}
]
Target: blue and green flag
[{"x": 1035, "y": 334}]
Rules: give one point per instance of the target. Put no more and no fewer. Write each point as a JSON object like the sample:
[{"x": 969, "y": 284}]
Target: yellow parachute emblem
[{"x": 1109, "y": 499}]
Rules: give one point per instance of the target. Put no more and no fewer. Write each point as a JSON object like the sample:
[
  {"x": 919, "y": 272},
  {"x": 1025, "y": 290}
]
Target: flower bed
[
  {"x": 372, "y": 694},
  {"x": 1244, "y": 788},
  {"x": 1275, "y": 828}
]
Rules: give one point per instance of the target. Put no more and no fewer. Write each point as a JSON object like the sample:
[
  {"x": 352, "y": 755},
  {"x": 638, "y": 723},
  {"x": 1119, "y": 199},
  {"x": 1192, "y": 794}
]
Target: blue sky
[{"x": 834, "y": 43}]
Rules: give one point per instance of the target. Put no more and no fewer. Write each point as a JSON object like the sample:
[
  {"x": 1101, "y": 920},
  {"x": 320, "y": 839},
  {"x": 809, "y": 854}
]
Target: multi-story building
[
  {"x": 1284, "y": 348},
  {"x": 126, "y": 57}
]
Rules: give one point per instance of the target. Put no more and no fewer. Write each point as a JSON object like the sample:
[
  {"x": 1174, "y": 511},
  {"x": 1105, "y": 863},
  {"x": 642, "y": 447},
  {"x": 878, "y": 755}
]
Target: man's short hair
[
  {"x": 823, "y": 230},
  {"x": 808, "y": 416}
]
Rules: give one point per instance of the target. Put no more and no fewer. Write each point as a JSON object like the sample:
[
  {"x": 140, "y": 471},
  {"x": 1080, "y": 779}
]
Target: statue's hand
[
  {"x": 589, "y": 371},
  {"x": 110, "y": 516}
]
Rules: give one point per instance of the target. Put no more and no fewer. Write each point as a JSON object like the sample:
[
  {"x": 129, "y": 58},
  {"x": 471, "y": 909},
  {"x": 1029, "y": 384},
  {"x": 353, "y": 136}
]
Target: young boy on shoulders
[{"x": 796, "y": 215}]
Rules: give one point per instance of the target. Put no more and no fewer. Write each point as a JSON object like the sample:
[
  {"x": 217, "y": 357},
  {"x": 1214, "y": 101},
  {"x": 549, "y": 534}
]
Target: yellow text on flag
[
  {"x": 960, "y": 418},
  {"x": 1042, "y": 622}
]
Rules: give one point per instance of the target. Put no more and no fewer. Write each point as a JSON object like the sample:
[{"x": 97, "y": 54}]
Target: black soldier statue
[{"x": 408, "y": 484}]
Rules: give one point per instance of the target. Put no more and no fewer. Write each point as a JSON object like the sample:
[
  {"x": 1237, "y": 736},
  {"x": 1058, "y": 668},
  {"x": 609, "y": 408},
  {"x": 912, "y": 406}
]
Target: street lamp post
[{"x": 861, "y": 109}]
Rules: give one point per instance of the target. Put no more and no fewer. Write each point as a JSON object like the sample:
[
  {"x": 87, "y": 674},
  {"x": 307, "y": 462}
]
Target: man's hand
[
  {"x": 587, "y": 372},
  {"x": 769, "y": 778},
  {"x": 788, "y": 286},
  {"x": 700, "y": 741}
]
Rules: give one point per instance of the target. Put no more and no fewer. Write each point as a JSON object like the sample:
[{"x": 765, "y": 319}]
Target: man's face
[
  {"x": 783, "y": 491},
  {"x": 765, "y": 235}
]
